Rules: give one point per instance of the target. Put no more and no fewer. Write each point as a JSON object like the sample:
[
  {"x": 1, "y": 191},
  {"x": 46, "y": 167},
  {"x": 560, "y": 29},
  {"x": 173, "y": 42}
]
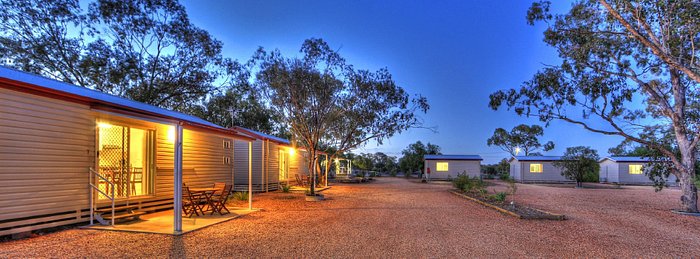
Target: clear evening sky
[{"x": 455, "y": 53}]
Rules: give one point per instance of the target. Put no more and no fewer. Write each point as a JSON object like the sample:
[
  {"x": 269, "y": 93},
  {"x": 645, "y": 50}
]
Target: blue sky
[{"x": 455, "y": 53}]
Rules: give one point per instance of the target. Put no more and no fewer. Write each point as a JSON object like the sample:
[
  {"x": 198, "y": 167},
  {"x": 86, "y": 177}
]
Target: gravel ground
[{"x": 393, "y": 217}]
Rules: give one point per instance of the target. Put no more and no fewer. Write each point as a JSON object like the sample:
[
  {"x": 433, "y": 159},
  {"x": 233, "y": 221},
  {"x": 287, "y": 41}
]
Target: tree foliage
[
  {"x": 616, "y": 55},
  {"x": 144, "y": 50},
  {"x": 329, "y": 103},
  {"x": 412, "y": 159},
  {"x": 378, "y": 162},
  {"x": 579, "y": 164},
  {"x": 521, "y": 137}
]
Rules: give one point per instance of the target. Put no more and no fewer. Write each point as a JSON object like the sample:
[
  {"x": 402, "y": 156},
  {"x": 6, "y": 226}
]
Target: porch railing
[{"x": 94, "y": 188}]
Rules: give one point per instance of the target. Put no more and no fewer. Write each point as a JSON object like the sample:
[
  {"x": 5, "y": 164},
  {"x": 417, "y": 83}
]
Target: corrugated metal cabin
[
  {"x": 443, "y": 167},
  {"x": 55, "y": 137},
  {"x": 271, "y": 161},
  {"x": 627, "y": 170},
  {"x": 536, "y": 169}
]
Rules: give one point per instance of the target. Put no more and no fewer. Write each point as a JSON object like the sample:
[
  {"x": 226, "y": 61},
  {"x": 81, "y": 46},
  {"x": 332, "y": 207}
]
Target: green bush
[
  {"x": 241, "y": 196},
  {"x": 591, "y": 177},
  {"x": 286, "y": 187},
  {"x": 499, "y": 196},
  {"x": 504, "y": 177},
  {"x": 468, "y": 184}
]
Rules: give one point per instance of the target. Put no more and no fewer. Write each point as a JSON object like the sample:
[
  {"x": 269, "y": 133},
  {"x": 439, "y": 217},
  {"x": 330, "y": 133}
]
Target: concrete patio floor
[{"x": 162, "y": 222}]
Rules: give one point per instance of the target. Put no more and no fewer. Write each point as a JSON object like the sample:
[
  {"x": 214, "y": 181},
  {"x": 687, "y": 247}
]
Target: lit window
[
  {"x": 442, "y": 166},
  {"x": 635, "y": 169},
  {"x": 535, "y": 168}
]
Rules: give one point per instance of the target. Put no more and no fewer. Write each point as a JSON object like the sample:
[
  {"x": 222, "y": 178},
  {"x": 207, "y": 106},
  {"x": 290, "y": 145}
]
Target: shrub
[
  {"x": 504, "y": 177},
  {"x": 499, "y": 196},
  {"x": 286, "y": 187},
  {"x": 461, "y": 181},
  {"x": 241, "y": 196},
  {"x": 468, "y": 184},
  {"x": 489, "y": 176}
]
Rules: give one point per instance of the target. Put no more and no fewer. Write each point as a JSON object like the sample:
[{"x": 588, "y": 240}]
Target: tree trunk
[
  {"x": 689, "y": 196},
  {"x": 312, "y": 172}
]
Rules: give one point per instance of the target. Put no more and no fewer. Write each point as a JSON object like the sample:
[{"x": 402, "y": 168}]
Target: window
[
  {"x": 125, "y": 157},
  {"x": 635, "y": 169},
  {"x": 535, "y": 168},
  {"x": 227, "y": 144},
  {"x": 227, "y": 160},
  {"x": 442, "y": 167}
]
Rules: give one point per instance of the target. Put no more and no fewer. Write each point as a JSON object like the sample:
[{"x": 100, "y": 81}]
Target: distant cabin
[
  {"x": 450, "y": 166},
  {"x": 530, "y": 169},
  {"x": 627, "y": 170}
]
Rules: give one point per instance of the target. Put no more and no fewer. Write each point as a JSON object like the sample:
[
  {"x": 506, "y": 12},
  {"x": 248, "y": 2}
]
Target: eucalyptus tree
[
  {"x": 521, "y": 137},
  {"x": 374, "y": 108},
  {"x": 328, "y": 104},
  {"x": 579, "y": 164},
  {"x": 615, "y": 55}
]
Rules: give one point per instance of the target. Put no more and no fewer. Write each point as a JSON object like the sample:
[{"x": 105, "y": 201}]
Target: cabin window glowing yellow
[
  {"x": 535, "y": 168},
  {"x": 635, "y": 169},
  {"x": 104, "y": 125},
  {"x": 291, "y": 151},
  {"x": 442, "y": 166}
]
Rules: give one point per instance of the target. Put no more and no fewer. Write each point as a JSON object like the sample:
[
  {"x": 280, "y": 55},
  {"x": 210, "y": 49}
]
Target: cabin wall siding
[
  {"x": 454, "y": 168},
  {"x": 609, "y": 172},
  {"x": 624, "y": 177},
  {"x": 550, "y": 173},
  {"x": 46, "y": 149},
  {"x": 265, "y": 165},
  {"x": 515, "y": 170}
]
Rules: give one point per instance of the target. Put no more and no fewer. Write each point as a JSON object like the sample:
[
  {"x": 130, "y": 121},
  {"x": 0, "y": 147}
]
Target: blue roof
[
  {"x": 452, "y": 157},
  {"x": 266, "y": 136},
  {"x": 79, "y": 91},
  {"x": 628, "y": 159},
  {"x": 537, "y": 158}
]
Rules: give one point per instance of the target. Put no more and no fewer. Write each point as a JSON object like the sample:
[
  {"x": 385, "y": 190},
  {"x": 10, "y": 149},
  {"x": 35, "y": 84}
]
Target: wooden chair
[
  {"x": 219, "y": 201},
  {"x": 191, "y": 203},
  {"x": 300, "y": 181},
  {"x": 306, "y": 179},
  {"x": 220, "y": 188}
]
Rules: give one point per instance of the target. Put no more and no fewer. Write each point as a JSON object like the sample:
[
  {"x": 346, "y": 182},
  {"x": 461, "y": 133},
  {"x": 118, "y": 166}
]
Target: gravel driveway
[{"x": 393, "y": 217}]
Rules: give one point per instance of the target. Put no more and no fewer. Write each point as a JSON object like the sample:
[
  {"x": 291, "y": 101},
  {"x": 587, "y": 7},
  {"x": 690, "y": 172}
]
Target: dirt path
[{"x": 393, "y": 217}]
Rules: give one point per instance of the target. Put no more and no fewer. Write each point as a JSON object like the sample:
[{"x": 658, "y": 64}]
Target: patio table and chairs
[{"x": 200, "y": 200}]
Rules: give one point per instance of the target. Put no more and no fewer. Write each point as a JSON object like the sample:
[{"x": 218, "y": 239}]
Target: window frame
[
  {"x": 540, "y": 166},
  {"x": 638, "y": 171},
  {"x": 438, "y": 167}
]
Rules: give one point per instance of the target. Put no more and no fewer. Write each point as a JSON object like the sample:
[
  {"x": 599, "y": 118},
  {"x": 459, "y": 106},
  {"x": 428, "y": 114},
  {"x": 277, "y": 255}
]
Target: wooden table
[{"x": 207, "y": 193}]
